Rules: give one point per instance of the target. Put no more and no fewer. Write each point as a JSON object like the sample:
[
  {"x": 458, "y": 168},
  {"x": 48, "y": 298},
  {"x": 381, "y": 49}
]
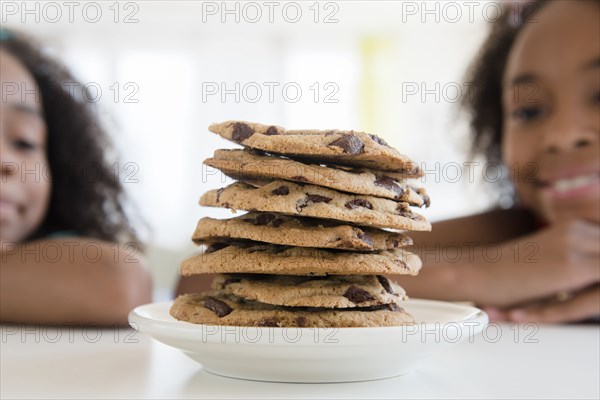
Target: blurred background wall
[{"x": 164, "y": 70}]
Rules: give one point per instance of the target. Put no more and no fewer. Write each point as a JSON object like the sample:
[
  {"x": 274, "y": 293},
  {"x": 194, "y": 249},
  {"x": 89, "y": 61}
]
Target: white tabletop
[{"x": 64, "y": 362}]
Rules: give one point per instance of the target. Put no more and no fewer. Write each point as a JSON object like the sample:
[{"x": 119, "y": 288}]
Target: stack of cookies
[{"x": 324, "y": 210}]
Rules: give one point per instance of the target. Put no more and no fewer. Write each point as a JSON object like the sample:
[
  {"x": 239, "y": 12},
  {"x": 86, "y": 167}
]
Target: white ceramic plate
[{"x": 314, "y": 354}]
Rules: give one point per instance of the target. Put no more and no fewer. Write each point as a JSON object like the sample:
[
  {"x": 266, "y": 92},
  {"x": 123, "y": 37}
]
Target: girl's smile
[{"x": 571, "y": 184}]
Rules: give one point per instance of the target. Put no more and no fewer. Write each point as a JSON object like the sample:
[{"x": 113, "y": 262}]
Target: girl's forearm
[
  {"x": 59, "y": 282},
  {"x": 467, "y": 273},
  {"x": 449, "y": 282},
  {"x": 194, "y": 284}
]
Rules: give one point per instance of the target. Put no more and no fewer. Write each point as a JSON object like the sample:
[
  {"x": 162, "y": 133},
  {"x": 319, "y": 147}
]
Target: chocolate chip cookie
[
  {"x": 323, "y": 146},
  {"x": 316, "y": 201},
  {"x": 214, "y": 308},
  {"x": 243, "y": 165},
  {"x": 257, "y": 258},
  {"x": 297, "y": 231},
  {"x": 341, "y": 291}
]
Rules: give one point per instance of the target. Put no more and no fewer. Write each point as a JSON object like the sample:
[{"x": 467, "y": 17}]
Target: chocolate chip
[
  {"x": 231, "y": 280},
  {"x": 277, "y": 222},
  {"x": 352, "y": 204},
  {"x": 315, "y": 198},
  {"x": 414, "y": 169},
  {"x": 301, "y": 322},
  {"x": 241, "y": 132},
  {"x": 379, "y": 140},
  {"x": 219, "y": 194},
  {"x": 310, "y": 199},
  {"x": 272, "y": 131},
  {"x": 366, "y": 238},
  {"x": 217, "y": 306},
  {"x": 401, "y": 263},
  {"x": 299, "y": 178},
  {"x": 281, "y": 191},
  {"x": 350, "y": 143},
  {"x": 264, "y": 219},
  {"x": 215, "y": 247},
  {"x": 385, "y": 181},
  {"x": 309, "y": 222},
  {"x": 426, "y": 200},
  {"x": 423, "y": 194},
  {"x": 358, "y": 295},
  {"x": 389, "y": 183},
  {"x": 390, "y": 307},
  {"x": 385, "y": 283},
  {"x": 402, "y": 209},
  {"x": 407, "y": 213}
]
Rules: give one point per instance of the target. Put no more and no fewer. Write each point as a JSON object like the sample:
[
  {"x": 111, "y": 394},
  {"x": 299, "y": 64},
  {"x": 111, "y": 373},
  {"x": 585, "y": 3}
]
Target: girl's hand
[
  {"x": 566, "y": 259},
  {"x": 581, "y": 306}
]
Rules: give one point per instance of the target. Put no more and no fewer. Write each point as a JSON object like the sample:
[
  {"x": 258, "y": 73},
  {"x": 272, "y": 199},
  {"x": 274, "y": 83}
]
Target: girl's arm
[
  {"x": 493, "y": 259},
  {"x": 450, "y": 271},
  {"x": 71, "y": 280},
  {"x": 194, "y": 284}
]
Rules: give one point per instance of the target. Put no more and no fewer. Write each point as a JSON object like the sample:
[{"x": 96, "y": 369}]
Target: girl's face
[
  {"x": 551, "y": 102},
  {"x": 24, "y": 168}
]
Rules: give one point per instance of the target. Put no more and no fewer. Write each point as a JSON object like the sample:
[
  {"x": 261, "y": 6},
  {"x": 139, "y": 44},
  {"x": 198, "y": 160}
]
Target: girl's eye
[
  {"x": 527, "y": 113},
  {"x": 25, "y": 145}
]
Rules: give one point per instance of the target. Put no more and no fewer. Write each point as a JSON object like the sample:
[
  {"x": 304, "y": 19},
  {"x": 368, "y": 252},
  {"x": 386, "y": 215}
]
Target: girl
[
  {"x": 68, "y": 253},
  {"x": 536, "y": 109}
]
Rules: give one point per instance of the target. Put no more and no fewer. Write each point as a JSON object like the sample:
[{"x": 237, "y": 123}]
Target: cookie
[
  {"x": 318, "y": 202},
  {"x": 214, "y": 308},
  {"x": 244, "y": 165},
  {"x": 341, "y": 291},
  {"x": 297, "y": 231},
  {"x": 331, "y": 146},
  {"x": 257, "y": 258}
]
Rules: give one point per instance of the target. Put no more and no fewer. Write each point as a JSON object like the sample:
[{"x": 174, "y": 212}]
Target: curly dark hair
[
  {"x": 76, "y": 141},
  {"x": 484, "y": 102}
]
